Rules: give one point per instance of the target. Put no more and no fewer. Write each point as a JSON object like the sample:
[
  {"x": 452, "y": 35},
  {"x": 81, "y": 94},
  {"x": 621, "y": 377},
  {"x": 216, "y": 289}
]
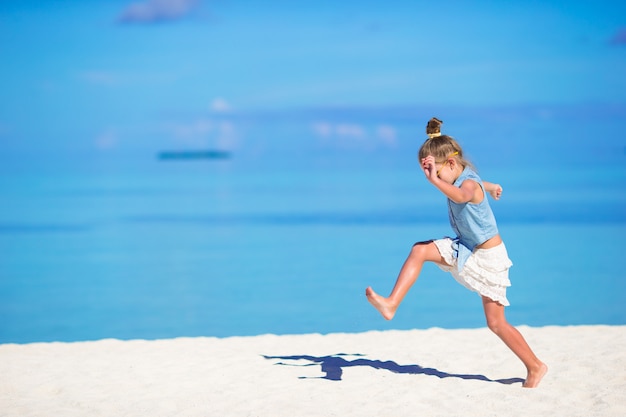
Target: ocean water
[{"x": 157, "y": 249}]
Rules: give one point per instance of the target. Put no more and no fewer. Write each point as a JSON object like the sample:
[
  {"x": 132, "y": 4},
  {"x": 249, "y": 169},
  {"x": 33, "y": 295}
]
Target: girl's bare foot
[
  {"x": 381, "y": 304},
  {"x": 534, "y": 377}
]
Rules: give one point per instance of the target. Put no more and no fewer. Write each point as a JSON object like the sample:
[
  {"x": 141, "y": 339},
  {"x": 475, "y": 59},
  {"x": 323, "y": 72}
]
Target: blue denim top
[{"x": 472, "y": 223}]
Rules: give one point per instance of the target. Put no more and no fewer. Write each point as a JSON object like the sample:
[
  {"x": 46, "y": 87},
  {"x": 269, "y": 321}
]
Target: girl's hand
[
  {"x": 495, "y": 190},
  {"x": 429, "y": 168}
]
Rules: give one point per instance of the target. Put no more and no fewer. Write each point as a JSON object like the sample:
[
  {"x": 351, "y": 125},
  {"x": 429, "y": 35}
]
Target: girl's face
[{"x": 446, "y": 170}]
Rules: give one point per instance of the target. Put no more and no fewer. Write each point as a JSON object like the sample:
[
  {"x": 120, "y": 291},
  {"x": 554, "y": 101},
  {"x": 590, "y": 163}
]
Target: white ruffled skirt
[{"x": 485, "y": 272}]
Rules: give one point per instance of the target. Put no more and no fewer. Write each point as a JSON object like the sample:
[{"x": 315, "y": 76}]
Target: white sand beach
[{"x": 432, "y": 372}]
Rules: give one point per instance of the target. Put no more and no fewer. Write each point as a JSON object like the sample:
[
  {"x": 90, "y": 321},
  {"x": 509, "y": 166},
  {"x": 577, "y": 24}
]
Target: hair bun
[{"x": 433, "y": 127}]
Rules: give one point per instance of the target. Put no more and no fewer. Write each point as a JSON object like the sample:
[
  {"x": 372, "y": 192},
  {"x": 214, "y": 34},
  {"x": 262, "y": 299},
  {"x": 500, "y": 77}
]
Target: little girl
[{"x": 477, "y": 258}]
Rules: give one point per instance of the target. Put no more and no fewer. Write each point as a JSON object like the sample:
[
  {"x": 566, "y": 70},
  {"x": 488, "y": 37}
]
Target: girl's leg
[
  {"x": 494, "y": 313},
  {"x": 420, "y": 253}
]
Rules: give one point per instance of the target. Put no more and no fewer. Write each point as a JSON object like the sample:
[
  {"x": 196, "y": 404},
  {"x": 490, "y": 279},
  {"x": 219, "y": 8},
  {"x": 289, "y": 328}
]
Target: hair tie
[{"x": 433, "y": 127}]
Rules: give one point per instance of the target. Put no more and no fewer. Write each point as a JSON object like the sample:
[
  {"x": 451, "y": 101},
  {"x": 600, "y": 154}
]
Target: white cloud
[
  {"x": 152, "y": 11},
  {"x": 354, "y": 135},
  {"x": 350, "y": 130},
  {"x": 323, "y": 129},
  {"x": 204, "y": 133},
  {"x": 387, "y": 134},
  {"x": 220, "y": 105},
  {"x": 195, "y": 133},
  {"x": 341, "y": 130}
]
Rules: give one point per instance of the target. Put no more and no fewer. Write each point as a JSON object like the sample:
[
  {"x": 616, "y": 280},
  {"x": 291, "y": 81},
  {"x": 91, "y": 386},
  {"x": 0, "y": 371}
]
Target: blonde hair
[{"x": 441, "y": 147}]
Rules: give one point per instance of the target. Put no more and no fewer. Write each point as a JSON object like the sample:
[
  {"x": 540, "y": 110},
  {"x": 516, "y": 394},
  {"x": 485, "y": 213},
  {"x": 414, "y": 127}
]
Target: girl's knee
[
  {"x": 494, "y": 324},
  {"x": 420, "y": 250},
  {"x": 497, "y": 324},
  {"x": 494, "y": 315}
]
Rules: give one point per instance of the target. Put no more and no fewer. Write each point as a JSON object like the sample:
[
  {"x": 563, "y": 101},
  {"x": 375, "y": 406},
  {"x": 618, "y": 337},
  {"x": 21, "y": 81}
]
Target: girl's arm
[
  {"x": 494, "y": 189},
  {"x": 467, "y": 192}
]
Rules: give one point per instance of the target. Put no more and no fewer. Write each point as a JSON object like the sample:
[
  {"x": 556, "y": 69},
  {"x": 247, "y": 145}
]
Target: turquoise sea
[{"x": 285, "y": 236}]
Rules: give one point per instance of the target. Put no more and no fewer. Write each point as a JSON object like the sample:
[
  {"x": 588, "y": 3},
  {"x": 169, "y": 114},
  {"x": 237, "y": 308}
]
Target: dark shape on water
[{"x": 187, "y": 155}]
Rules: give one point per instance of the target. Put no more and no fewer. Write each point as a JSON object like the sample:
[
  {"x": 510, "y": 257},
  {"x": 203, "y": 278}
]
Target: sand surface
[{"x": 432, "y": 372}]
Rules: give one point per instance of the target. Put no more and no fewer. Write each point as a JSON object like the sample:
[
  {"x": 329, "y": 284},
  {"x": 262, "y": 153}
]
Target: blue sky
[{"x": 113, "y": 75}]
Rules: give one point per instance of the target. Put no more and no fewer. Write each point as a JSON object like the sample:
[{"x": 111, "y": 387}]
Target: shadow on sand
[{"x": 333, "y": 365}]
